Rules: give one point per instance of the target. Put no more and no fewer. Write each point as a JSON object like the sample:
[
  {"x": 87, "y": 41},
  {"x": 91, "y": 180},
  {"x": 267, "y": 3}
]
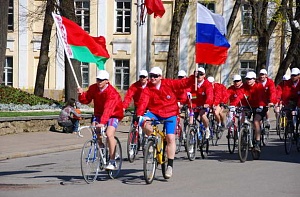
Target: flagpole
[
  {"x": 69, "y": 60},
  {"x": 196, "y": 67}
]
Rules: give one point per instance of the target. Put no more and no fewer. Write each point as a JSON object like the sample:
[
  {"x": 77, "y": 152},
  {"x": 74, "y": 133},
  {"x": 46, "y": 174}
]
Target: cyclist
[
  {"x": 182, "y": 93},
  {"x": 235, "y": 94},
  {"x": 269, "y": 95},
  {"x": 135, "y": 90},
  {"x": 160, "y": 98},
  {"x": 254, "y": 92},
  {"x": 220, "y": 97},
  {"x": 203, "y": 96},
  {"x": 282, "y": 93},
  {"x": 108, "y": 110}
]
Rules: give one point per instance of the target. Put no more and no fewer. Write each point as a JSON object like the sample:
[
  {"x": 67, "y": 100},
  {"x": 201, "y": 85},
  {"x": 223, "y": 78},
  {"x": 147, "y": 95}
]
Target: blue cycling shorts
[
  {"x": 170, "y": 127},
  {"x": 111, "y": 122}
]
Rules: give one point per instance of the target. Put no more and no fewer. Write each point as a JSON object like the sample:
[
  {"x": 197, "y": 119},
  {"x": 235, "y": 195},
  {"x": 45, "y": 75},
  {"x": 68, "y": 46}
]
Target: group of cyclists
[{"x": 159, "y": 98}]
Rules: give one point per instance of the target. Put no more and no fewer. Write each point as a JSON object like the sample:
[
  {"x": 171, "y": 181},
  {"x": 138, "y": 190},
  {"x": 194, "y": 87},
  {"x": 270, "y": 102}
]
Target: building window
[
  {"x": 247, "y": 21},
  {"x": 8, "y": 72},
  {"x": 247, "y": 66},
  {"x": 210, "y": 6},
  {"x": 82, "y": 12},
  {"x": 11, "y": 15},
  {"x": 122, "y": 74},
  {"x": 123, "y": 16},
  {"x": 85, "y": 74}
]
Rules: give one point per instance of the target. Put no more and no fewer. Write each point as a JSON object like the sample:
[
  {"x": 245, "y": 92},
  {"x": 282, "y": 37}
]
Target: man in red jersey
[
  {"x": 135, "y": 90},
  {"x": 220, "y": 97},
  {"x": 282, "y": 93},
  {"x": 235, "y": 94},
  {"x": 253, "y": 94},
  {"x": 108, "y": 109},
  {"x": 269, "y": 95},
  {"x": 204, "y": 97},
  {"x": 159, "y": 97}
]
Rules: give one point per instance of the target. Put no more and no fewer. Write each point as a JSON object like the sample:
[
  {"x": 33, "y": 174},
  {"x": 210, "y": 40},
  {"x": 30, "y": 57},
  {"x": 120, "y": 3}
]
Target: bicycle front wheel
[
  {"x": 243, "y": 145},
  {"x": 118, "y": 158},
  {"x": 288, "y": 138},
  {"x": 178, "y": 138},
  {"x": 132, "y": 144},
  {"x": 265, "y": 136},
  {"x": 191, "y": 143},
  {"x": 150, "y": 162},
  {"x": 231, "y": 139},
  {"x": 164, "y": 164},
  {"x": 90, "y": 160}
]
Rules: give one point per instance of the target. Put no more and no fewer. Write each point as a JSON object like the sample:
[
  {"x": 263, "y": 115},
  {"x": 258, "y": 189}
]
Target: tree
[
  {"x": 44, "y": 58},
  {"x": 264, "y": 29},
  {"x": 3, "y": 35},
  {"x": 67, "y": 10},
  {"x": 294, "y": 48},
  {"x": 180, "y": 10}
]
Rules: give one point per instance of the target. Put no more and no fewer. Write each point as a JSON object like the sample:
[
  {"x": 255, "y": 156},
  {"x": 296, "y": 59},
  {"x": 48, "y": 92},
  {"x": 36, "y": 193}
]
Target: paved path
[{"x": 36, "y": 143}]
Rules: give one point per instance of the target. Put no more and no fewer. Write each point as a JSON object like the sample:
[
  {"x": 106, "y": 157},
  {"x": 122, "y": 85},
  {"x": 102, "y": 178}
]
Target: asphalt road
[{"x": 222, "y": 174}]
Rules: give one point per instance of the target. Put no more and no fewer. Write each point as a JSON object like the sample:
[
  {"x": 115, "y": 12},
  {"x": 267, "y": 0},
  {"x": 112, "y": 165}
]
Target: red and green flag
[{"x": 79, "y": 44}]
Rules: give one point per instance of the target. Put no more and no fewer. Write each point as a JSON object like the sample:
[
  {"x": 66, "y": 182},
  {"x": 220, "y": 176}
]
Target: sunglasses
[
  {"x": 235, "y": 81},
  {"x": 143, "y": 76},
  {"x": 200, "y": 74},
  {"x": 100, "y": 80},
  {"x": 154, "y": 75},
  {"x": 249, "y": 78},
  {"x": 294, "y": 75},
  {"x": 180, "y": 77}
]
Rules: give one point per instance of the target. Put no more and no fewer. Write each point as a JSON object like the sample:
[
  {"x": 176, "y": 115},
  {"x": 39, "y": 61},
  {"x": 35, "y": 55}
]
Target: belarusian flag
[{"x": 79, "y": 44}]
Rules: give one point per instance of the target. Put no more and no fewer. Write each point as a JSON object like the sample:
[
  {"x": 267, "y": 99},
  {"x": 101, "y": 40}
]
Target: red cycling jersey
[
  {"x": 220, "y": 94},
  {"x": 107, "y": 104},
  {"x": 203, "y": 95},
  {"x": 235, "y": 95},
  {"x": 162, "y": 101},
  {"x": 134, "y": 92},
  {"x": 269, "y": 95}
]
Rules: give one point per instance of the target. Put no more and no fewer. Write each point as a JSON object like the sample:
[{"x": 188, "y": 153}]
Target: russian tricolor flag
[{"x": 211, "y": 44}]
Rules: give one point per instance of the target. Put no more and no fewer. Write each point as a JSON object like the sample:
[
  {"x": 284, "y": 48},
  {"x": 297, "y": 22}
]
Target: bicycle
[
  {"x": 245, "y": 138},
  {"x": 155, "y": 152},
  {"x": 196, "y": 137},
  {"x": 281, "y": 122},
  {"x": 214, "y": 128},
  {"x": 233, "y": 129},
  {"x": 265, "y": 131},
  {"x": 180, "y": 135},
  {"x": 95, "y": 158},
  {"x": 135, "y": 139},
  {"x": 291, "y": 135}
]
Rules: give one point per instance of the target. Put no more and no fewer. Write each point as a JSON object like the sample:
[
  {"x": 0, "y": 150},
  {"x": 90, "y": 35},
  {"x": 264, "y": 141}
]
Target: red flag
[{"x": 156, "y": 7}]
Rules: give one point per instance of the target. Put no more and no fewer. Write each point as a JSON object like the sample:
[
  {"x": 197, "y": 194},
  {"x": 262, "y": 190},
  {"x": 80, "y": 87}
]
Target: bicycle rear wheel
[
  {"x": 288, "y": 138},
  {"x": 280, "y": 126},
  {"x": 132, "y": 144},
  {"x": 178, "y": 138},
  {"x": 265, "y": 136},
  {"x": 231, "y": 139},
  {"x": 243, "y": 145},
  {"x": 118, "y": 158},
  {"x": 191, "y": 143},
  {"x": 150, "y": 162},
  {"x": 90, "y": 160}
]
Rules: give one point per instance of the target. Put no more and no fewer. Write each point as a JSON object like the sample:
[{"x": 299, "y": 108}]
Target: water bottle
[{"x": 159, "y": 147}]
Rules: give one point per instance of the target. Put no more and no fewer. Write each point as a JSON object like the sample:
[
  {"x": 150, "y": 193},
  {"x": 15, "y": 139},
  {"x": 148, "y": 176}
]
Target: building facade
[{"x": 134, "y": 41}]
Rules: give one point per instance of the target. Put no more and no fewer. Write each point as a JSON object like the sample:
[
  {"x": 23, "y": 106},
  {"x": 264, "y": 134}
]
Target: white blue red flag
[{"x": 211, "y": 44}]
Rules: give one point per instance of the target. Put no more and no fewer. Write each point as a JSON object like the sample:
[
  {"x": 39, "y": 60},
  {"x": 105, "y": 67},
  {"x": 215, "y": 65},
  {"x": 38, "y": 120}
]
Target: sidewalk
[{"x": 37, "y": 143}]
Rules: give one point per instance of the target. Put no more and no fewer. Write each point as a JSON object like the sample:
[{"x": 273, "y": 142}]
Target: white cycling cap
[
  {"x": 237, "y": 77},
  {"x": 201, "y": 69},
  {"x": 286, "y": 77},
  {"x": 102, "y": 74},
  {"x": 181, "y": 73},
  {"x": 210, "y": 79},
  {"x": 143, "y": 73},
  {"x": 295, "y": 71},
  {"x": 251, "y": 75},
  {"x": 156, "y": 70},
  {"x": 263, "y": 71}
]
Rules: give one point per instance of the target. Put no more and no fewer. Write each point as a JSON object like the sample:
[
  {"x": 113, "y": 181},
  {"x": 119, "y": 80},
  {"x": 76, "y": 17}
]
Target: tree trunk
[
  {"x": 232, "y": 18},
  {"x": 68, "y": 10},
  {"x": 180, "y": 10},
  {"x": 3, "y": 35},
  {"x": 44, "y": 58}
]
